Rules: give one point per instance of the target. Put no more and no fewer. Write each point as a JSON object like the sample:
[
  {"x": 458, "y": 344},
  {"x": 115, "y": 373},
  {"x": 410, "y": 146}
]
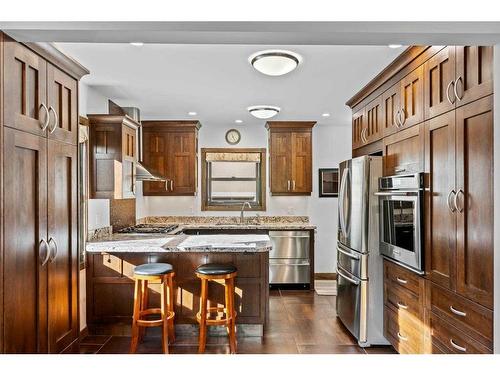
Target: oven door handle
[{"x": 396, "y": 193}]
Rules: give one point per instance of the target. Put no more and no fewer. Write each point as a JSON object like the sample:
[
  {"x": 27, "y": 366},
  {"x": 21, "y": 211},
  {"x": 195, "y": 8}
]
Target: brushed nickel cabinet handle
[
  {"x": 403, "y": 116},
  {"x": 395, "y": 119},
  {"x": 401, "y": 337},
  {"x": 47, "y": 117},
  {"x": 171, "y": 185},
  {"x": 288, "y": 185},
  {"x": 56, "y": 119},
  {"x": 46, "y": 259},
  {"x": 166, "y": 185},
  {"x": 293, "y": 184},
  {"x": 53, "y": 256},
  {"x": 448, "y": 92},
  {"x": 399, "y": 123},
  {"x": 458, "y": 347},
  {"x": 401, "y": 281},
  {"x": 455, "y": 201},
  {"x": 457, "y": 312},
  {"x": 402, "y": 305},
  {"x": 455, "y": 91},
  {"x": 452, "y": 192}
]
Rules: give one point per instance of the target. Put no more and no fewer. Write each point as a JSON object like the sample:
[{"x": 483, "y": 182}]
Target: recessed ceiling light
[
  {"x": 263, "y": 111},
  {"x": 137, "y": 44},
  {"x": 192, "y": 113},
  {"x": 395, "y": 45},
  {"x": 238, "y": 121},
  {"x": 275, "y": 62},
  {"x": 325, "y": 115}
]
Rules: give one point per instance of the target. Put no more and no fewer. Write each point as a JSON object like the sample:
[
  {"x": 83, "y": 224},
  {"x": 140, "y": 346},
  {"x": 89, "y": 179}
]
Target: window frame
[{"x": 207, "y": 205}]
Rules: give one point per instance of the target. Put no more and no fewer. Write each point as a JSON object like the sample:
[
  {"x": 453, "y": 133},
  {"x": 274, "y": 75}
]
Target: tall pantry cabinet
[{"x": 39, "y": 213}]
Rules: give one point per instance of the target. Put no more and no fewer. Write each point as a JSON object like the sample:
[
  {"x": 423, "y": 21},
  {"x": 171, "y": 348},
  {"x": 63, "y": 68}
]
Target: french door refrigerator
[{"x": 359, "y": 265}]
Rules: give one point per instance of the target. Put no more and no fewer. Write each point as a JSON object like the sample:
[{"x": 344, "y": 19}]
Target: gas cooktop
[{"x": 149, "y": 229}]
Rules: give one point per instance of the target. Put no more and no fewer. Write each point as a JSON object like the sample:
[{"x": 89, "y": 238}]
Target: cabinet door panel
[
  {"x": 391, "y": 105},
  {"x": 301, "y": 162},
  {"x": 25, "y": 89},
  {"x": 403, "y": 151},
  {"x": 62, "y": 100},
  {"x": 62, "y": 229},
  {"x": 280, "y": 160},
  {"x": 439, "y": 75},
  {"x": 374, "y": 123},
  {"x": 129, "y": 159},
  {"x": 440, "y": 222},
  {"x": 474, "y": 72},
  {"x": 105, "y": 141},
  {"x": 358, "y": 128},
  {"x": 182, "y": 162},
  {"x": 412, "y": 98},
  {"x": 474, "y": 124},
  {"x": 156, "y": 158},
  {"x": 25, "y": 226}
]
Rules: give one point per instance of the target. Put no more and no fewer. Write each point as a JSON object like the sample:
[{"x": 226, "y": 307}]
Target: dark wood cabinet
[
  {"x": 39, "y": 223},
  {"x": 62, "y": 236},
  {"x": 439, "y": 78},
  {"x": 440, "y": 220},
  {"x": 62, "y": 100},
  {"x": 171, "y": 150},
  {"x": 403, "y": 152},
  {"x": 25, "y": 87},
  {"x": 290, "y": 157},
  {"x": 391, "y": 110},
  {"x": 412, "y": 98},
  {"x": 374, "y": 124},
  {"x": 113, "y": 156},
  {"x": 474, "y": 187},
  {"x": 358, "y": 128},
  {"x": 474, "y": 73}
]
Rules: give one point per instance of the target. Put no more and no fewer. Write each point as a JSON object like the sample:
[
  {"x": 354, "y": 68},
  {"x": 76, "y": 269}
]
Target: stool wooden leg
[
  {"x": 137, "y": 309},
  {"x": 164, "y": 314},
  {"x": 203, "y": 316},
  {"x": 171, "y": 307},
  {"x": 144, "y": 306},
  {"x": 232, "y": 323}
]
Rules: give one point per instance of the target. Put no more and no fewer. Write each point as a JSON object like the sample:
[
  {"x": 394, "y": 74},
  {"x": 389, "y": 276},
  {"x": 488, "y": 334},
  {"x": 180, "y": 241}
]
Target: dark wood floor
[{"x": 301, "y": 322}]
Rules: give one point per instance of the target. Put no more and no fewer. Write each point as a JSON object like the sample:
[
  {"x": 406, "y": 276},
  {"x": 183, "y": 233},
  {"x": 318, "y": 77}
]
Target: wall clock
[{"x": 233, "y": 137}]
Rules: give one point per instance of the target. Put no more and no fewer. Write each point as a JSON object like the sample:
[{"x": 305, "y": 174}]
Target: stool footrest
[{"x": 216, "y": 322}]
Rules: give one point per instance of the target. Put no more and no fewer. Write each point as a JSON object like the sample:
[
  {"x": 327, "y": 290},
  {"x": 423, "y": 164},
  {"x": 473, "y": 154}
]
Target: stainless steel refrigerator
[{"x": 359, "y": 264}]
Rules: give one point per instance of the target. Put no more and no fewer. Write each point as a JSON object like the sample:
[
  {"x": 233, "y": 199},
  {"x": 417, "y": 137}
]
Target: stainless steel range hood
[{"x": 141, "y": 172}]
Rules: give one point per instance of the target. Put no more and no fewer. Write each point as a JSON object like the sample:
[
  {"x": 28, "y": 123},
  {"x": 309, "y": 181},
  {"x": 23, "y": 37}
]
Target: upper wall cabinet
[
  {"x": 171, "y": 150},
  {"x": 358, "y": 128},
  {"x": 412, "y": 99},
  {"x": 290, "y": 157},
  {"x": 113, "y": 144},
  {"x": 41, "y": 99},
  {"x": 457, "y": 76}
]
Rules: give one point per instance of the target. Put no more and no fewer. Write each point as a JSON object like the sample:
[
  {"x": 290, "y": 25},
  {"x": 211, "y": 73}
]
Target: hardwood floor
[{"x": 300, "y": 322}]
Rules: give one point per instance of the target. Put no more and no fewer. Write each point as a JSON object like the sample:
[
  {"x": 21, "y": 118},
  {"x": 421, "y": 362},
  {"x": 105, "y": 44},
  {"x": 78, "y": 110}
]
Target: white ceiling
[{"x": 166, "y": 81}]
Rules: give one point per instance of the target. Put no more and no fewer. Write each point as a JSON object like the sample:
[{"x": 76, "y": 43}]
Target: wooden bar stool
[
  {"x": 206, "y": 273},
  {"x": 143, "y": 274}
]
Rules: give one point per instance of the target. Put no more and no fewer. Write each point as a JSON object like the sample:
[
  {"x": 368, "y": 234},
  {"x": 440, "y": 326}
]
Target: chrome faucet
[{"x": 242, "y": 216}]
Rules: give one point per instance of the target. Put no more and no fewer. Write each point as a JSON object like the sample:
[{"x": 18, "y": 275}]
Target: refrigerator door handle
[
  {"x": 351, "y": 280},
  {"x": 346, "y": 253},
  {"x": 341, "y": 203}
]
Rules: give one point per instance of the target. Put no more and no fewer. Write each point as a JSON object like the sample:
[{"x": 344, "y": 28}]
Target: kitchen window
[{"x": 231, "y": 177}]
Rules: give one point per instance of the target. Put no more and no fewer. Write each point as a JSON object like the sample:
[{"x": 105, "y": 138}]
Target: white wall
[{"x": 331, "y": 144}]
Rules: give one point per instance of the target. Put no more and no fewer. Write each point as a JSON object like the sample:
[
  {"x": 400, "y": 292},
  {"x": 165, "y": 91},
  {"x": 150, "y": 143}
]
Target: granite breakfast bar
[{"x": 110, "y": 284}]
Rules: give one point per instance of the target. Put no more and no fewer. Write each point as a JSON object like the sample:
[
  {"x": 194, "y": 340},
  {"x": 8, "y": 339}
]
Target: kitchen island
[{"x": 110, "y": 284}]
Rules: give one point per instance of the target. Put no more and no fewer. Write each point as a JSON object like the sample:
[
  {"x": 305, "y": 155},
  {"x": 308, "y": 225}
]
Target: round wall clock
[{"x": 233, "y": 136}]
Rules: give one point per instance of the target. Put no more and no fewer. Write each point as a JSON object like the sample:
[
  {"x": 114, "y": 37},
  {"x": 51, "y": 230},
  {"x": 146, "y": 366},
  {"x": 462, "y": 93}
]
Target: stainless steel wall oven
[{"x": 401, "y": 219}]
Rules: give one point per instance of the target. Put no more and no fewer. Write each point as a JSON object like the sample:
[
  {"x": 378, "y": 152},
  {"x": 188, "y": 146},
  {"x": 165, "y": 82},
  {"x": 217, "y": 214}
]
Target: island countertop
[{"x": 139, "y": 243}]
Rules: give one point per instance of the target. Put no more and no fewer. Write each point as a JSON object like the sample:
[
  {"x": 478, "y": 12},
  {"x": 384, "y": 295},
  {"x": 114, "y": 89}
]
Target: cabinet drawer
[
  {"x": 404, "y": 333},
  {"x": 403, "y": 301},
  {"x": 451, "y": 339},
  {"x": 403, "y": 277},
  {"x": 457, "y": 308}
]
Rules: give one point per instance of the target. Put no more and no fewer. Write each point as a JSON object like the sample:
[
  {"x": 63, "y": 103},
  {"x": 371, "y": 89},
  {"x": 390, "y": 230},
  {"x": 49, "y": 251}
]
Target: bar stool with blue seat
[
  {"x": 212, "y": 272},
  {"x": 143, "y": 274}
]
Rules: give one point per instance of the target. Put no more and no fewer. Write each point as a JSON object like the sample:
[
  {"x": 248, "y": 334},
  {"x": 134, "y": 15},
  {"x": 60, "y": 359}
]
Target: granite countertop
[{"x": 139, "y": 243}]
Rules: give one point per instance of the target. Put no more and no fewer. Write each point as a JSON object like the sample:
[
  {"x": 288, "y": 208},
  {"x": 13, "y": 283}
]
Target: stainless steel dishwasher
[{"x": 289, "y": 261}]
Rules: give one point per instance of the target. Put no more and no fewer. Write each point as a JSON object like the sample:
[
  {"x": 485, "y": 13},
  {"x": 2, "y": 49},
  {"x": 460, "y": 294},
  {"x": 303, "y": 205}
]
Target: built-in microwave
[{"x": 401, "y": 219}]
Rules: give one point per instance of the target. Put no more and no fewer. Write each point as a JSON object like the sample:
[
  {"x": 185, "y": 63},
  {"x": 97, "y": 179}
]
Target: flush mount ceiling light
[
  {"x": 263, "y": 111},
  {"x": 238, "y": 121},
  {"x": 275, "y": 62},
  {"x": 325, "y": 115},
  {"x": 137, "y": 44},
  {"x": 394, "y": 45},
  {"x": 192, "y": 113}
]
